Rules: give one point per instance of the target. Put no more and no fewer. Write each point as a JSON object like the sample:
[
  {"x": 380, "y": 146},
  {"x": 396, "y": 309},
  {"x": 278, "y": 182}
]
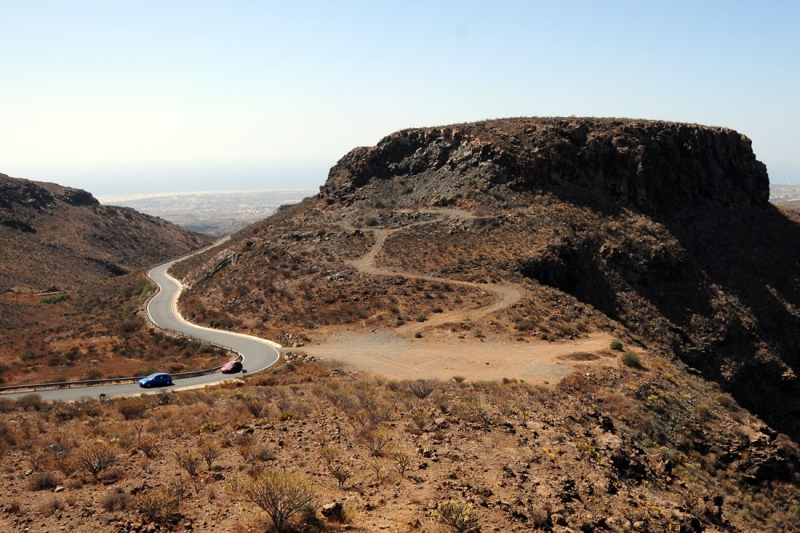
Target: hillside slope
[
  {"x": 658, "y": 232},
  {"x": 59, "y": 237}
]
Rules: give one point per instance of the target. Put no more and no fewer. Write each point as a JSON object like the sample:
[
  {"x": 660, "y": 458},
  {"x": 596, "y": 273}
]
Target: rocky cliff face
[
  {"x": 54, "y": 236},
  {"x": 652, "y": 166}
]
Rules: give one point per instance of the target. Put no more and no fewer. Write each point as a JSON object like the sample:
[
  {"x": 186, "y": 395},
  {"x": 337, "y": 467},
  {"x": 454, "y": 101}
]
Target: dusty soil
[{"x": 387, "y": 354}]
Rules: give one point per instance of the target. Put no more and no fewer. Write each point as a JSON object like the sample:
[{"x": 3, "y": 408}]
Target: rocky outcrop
[
  {"x": 39, "y": 195},
  {"x": 650, "y": 165}
]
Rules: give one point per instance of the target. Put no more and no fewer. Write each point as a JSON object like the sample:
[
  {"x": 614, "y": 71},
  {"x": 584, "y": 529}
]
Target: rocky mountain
[
  {"x": 659, "y": 231},
  {"x": 56, "y": 237}
]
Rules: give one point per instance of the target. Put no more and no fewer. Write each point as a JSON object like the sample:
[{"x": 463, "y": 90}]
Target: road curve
[{"x": 162, "y": 309}]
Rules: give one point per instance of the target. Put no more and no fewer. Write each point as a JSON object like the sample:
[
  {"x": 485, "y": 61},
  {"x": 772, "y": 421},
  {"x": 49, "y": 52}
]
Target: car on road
[
  {"x": 158, "y": 379},
  {"x": 231, "y": 367}
]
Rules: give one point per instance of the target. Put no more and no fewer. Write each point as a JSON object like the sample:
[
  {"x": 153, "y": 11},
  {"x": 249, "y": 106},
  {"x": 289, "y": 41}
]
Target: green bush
[
  {"x": 616, "y": 345},
  {"x": 631, "y": 359},
  {"x": 55, "y": 298}
]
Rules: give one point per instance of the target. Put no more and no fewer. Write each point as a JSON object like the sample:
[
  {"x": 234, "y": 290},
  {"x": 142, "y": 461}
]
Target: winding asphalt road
[{"x": 162, "y": 309}]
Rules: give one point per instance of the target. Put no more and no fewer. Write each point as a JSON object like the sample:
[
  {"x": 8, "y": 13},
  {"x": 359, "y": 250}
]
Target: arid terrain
[
  {"x": 54, "y": 238},
  {"x": 524, "y": 324}
]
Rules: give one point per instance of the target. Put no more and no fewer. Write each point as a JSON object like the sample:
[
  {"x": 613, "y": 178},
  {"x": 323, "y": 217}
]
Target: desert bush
[
  {"x": 616, "y": 345},
  {"x": 460, "y": 516},
  {"x": 188, "y": 460},
  {"x": 178, "y": 489},
  {"x": 422, "y": 388},
  {"x": 151, "y": 504},
  {"x": 42, "y": 481},
  {"x": 96, "y": 457},
  {"x": 54, "y": 299},
  {"x": 402, "y": 459},
  {"x": 280, "y": 494},
  {"x": 726, "y": 401},
  {"x": 117, "y": 500},
  {"x": 62, "y": 457},
  {"x": 7, "y": 405},
  {"x": 93, "y": 373},
  {"x": 340, "y": 472},
  {"x": 631, "y": 359},
  {"x": 421, "y": 417},
  {"x": 210, "y": 427},
  {"x": 255, "y": 406},
  {"x": 209, "y": 450},
  {"x": 30, "y": 402},
  {"x": 50, "y": 506},
  {"x": 131, "y": 408},
  {"x": 148, "y": 445},
  {"x": 37, "y": 460},
  {"x": 377, "y": 441},
  {"x": 73, "y": 484}
]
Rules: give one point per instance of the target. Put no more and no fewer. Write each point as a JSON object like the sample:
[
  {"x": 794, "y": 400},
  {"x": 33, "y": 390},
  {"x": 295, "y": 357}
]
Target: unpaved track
[
  {"x": 506, "y": 294},
  {"x": 397, "y": 354}
]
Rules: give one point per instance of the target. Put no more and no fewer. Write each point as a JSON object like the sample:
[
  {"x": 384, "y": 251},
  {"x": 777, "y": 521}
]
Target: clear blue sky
[{"x": 160, "y": 96}]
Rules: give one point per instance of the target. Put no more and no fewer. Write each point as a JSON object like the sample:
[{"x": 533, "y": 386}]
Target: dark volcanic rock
[{"x": 652, "y": 166}]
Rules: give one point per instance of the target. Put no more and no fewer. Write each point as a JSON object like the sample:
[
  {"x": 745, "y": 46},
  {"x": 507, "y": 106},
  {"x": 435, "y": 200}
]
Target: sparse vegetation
[
  {"x": 459, "y": 516},
  {"x": 279, "y": 494},
  {"x": 631, "y": 359}
]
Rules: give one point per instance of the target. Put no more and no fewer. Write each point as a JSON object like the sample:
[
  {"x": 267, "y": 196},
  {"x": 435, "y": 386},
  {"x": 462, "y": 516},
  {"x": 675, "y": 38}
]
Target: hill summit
[{"x": 648, "y": 165}]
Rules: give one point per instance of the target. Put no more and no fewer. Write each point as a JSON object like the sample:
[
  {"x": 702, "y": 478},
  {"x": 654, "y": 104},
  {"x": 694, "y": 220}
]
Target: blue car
[{"x": 156, "y": 380}]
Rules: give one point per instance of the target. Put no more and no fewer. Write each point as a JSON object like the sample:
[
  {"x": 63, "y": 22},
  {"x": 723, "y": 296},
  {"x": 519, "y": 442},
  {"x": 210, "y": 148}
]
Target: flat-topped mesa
[{"x": 652, "y": 166}]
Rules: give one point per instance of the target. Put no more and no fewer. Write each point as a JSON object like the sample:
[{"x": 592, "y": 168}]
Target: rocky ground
[{"x": 609, "y": 448}]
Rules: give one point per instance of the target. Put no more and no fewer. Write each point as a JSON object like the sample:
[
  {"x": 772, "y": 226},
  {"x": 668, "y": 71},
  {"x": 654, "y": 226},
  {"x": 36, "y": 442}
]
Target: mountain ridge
[{"x": 57, "y": 237}]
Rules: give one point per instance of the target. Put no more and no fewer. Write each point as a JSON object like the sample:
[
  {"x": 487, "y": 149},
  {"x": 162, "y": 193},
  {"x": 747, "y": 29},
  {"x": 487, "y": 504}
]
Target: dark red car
[{"x": 231, "y": 367}]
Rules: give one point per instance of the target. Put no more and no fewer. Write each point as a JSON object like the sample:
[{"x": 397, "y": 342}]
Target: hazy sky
[{"x": 160, "y": 96}]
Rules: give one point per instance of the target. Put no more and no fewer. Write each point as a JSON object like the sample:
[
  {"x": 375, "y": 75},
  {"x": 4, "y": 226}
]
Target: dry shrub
[
  {"x": 422, "y": 388},
  {"x": 30, "y": 402},
  {"x": 460, "y": 516},
  {"x": 151, "y": 504},
  {"x": 402, "y": 459},
  {"x": 96, "y": 457},
  {"x": 148, "y": 445},
  {"x": 50, "y": 506},
  {"x": 209, "y": 451},
  {"x": 42, "y": 481},
  {"x": 188, "y": 460},
  {"x": 131, "y": 408},
  {"x": 280, "y": 494},
  {"x": 116, "y": 500},
  {"x": 630, "y": 359},
  {"x": 377, "y": 441}
]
